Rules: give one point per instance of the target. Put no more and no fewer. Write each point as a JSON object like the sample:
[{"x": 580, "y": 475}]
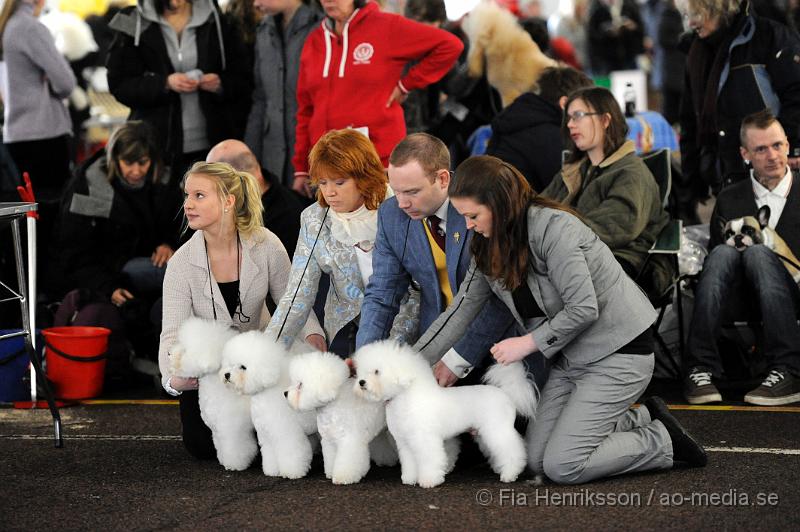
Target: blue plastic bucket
[{"x": 13, "y": 367}]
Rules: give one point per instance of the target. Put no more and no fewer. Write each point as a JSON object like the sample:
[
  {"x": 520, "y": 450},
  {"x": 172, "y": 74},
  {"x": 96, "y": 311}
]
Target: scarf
[
  {"x": 357, "y": 228},
  {"x": 706, "y": 61}
]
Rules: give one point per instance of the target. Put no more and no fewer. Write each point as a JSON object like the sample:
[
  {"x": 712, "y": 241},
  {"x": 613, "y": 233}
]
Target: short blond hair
[
  {"x": 726, "y": 10},
  {"x": 242, "y": 186}
]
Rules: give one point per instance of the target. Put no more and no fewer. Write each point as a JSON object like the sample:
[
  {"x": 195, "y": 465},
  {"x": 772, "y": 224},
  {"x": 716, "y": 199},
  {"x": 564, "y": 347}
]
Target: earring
[
  {"x": 747, "y": 161},
  {"x": 226, "y": 210}
]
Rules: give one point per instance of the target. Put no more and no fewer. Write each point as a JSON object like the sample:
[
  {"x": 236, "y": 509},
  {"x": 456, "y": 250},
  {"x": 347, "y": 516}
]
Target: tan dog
[
  {"x": 499, "y": 45},
  {"x": 751, "y": 230}
]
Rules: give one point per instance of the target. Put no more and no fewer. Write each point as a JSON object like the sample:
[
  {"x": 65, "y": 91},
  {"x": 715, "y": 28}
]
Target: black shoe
[
  {"x": 684, "y": 447},
  {"x": 779, "y": 388},
  {"x": 698, "y": 388}
]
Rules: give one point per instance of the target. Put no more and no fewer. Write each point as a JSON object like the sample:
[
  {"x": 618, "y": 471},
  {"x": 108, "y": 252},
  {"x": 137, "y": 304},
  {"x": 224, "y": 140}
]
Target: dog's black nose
[
  {"x": 362, "y": 383},
  {"x": 738, "y": 240},
  {"x": 286, "y": 394},
  {"x": 227, "y": 376}
]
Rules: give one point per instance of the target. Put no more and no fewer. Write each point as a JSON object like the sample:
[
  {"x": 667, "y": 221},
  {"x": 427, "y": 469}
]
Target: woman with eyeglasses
[
  {"x": 573, "y": 303},
  {"x": 224, "y": 272},
  {"x": 337, "y": 236},
  {"x": 609, "y": 186}
]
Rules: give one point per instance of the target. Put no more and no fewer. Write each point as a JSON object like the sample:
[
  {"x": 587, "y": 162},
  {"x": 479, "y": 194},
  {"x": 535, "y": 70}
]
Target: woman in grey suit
[
  {"x": 337, "y": 235},
  {"x": 574, "y": 303}
]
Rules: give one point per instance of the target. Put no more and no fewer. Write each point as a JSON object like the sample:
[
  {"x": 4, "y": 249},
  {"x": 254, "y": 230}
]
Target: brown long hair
[
  {"x": 599, "y": 100},
  {"x": 504, "y": 190}
]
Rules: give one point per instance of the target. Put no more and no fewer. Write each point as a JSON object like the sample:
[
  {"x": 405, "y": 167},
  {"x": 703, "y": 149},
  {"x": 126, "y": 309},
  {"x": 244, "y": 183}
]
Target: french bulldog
[{"x": 751, "y": 230}]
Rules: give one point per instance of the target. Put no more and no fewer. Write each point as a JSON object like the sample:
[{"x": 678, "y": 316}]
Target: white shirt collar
[
  {"x": 441, "y": 212},
  {"x": 782, "y": 190}
]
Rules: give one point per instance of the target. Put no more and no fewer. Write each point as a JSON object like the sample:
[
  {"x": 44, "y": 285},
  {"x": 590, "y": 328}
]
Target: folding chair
[{"x": 668, "y": 242}]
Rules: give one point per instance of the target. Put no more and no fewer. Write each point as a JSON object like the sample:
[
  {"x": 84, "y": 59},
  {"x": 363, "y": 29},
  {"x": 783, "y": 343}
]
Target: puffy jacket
[
  {"x": 102, "y": 225},
  {"x": 620, "y": 201},
  {"x": 527, "y": 134}
]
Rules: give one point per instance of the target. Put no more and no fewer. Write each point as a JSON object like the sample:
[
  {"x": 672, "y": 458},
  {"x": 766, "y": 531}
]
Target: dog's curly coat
[
  {"x": 254, "y": 365},
  {"x": 198, "y": 353},
  {"x": 421, "y": 415},
  {"x": 352, "y": 430}
]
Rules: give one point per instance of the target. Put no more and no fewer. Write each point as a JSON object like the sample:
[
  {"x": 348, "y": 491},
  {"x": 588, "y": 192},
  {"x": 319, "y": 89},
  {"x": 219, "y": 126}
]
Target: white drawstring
[{"x": 327, "y": 50}]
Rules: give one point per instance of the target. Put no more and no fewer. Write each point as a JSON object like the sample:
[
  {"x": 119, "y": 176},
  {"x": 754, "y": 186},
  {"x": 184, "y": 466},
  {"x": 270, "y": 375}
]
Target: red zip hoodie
[{"x": 346, "y": 81}]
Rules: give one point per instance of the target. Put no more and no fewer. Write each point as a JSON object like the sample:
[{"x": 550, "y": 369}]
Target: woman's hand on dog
[
  {"x": 513, "y": 349},
  {"x": 182, "y": 384}
]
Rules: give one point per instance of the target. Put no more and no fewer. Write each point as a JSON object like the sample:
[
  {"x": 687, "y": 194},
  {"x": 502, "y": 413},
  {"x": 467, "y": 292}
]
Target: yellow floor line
[
  {"x": 735, "y": 408},
  {"x": 129, "y": 402}
]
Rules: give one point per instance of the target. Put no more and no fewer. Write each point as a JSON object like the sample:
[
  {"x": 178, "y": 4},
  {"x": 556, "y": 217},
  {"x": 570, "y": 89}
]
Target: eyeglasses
[{"x": 577, "y": 116}]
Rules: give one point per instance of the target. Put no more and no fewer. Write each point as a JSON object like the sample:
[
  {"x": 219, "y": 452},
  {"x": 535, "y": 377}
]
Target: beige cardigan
[{"x": 187, "y": 292}]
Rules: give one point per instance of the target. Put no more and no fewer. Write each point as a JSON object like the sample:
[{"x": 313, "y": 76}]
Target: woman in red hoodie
[{"x": 352, "y": 75}]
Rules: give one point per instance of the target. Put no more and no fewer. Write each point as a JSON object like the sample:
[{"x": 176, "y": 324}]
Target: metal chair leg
[{"x": 26, "y": 325}]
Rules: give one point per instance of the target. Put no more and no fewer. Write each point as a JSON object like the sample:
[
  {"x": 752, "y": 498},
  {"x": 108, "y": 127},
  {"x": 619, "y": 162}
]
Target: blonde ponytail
[{"x": 242, "y": 186}]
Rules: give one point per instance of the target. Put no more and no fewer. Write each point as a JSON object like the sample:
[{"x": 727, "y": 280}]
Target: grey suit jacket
[{"x": 593, "y": 308}]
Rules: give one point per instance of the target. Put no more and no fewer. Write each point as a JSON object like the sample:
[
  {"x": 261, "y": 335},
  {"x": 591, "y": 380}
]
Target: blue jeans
[
  {"x": 144, "y": 277},
  {"x": 751, "y": 284}
]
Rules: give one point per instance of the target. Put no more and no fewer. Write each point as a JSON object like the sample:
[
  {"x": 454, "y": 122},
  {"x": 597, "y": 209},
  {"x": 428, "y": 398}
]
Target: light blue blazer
[{"x": 346, "y": 293}]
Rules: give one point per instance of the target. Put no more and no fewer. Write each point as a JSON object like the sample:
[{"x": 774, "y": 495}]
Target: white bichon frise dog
[
  {"x": 254, "y": 365},
  {"x": 351, "y": 428},
  {"x": 198, "y": 353},
  {"x": 421, "y": 415}
]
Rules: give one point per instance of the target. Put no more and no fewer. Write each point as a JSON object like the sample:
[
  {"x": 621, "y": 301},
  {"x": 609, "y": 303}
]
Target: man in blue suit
[{"x": 423, "y": 241}]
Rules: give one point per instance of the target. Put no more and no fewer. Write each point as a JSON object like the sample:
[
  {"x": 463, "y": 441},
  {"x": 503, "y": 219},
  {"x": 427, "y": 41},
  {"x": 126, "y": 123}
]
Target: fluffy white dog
[
  {"x": 421, "y": 415},
  {"x": 198, "y": 353},
  {"x": 351, "y": 428},
  {"x": 254, "y": 365}
]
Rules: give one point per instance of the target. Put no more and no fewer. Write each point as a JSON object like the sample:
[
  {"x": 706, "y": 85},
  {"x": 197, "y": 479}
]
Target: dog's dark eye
[
  {"x": 728, "y": 234},
  {"x": 377, "y": 372},
  {"x": 299, "y": 385},
  {"x": 749, "y": 231},
  {"x": 243, "y": 368}
]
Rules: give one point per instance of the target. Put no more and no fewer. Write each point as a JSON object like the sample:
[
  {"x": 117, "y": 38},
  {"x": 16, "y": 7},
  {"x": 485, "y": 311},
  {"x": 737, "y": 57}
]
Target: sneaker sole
[
  {"x": 771, "y": 401},
  {"x": 704, "y": 399}
]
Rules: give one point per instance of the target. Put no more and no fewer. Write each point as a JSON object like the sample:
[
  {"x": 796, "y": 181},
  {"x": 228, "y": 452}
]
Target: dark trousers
[
  {"x": 182, "y": 162},
  {"x": 196, "y": 435},
  {"x": 752, "y": 284},
  {"x": 47, "y": 163}
]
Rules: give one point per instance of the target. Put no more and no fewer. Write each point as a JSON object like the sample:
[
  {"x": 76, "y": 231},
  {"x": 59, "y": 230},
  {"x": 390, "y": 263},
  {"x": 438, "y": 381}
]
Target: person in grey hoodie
[
  {"x": 34, "y": 80},
  {"x": 279, "y": 41},
  {"x": 181, "y": 68}
]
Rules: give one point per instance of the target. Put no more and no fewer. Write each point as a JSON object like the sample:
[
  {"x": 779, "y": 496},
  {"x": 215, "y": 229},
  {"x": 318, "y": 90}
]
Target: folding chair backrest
[{"x": 660, "y": 165}]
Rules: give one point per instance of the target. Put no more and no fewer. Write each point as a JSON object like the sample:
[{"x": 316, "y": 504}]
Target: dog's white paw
[
  {"x": 294, "y": 471},
  {"x": 509, "y": 477},
  {"x": 430, "y": 481},
  {"x": 408, "y": 480},
  {"x": 344, "y": 479}
]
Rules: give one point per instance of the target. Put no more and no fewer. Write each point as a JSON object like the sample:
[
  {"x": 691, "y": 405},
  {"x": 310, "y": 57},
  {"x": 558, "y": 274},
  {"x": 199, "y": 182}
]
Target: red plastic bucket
[{"x": 76, "y": 360}]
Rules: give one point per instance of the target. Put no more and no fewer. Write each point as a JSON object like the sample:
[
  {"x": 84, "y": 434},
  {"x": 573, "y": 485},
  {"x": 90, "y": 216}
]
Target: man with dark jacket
[
  {"x": 527, "y": 134},
  {"x": 751, "y": 282},
  {"x": 282, "y": 206}
]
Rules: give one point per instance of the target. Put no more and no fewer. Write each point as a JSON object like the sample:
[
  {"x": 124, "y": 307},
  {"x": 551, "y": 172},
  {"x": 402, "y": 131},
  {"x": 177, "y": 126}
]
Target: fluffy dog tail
[{"x": 515, "y": 382}]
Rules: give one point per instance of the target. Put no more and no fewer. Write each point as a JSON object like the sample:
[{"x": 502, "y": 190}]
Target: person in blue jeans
[{"x": 752, "y": 283}]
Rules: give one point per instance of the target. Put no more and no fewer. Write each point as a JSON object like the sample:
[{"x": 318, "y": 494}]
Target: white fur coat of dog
[
  {"x": 421, "y": 415},
  {"x": 352, "y": 429},
  {"x": 502, "y": 49},
  {"x": 255, "y": 366},
  {"x": 198, "y": 353}
]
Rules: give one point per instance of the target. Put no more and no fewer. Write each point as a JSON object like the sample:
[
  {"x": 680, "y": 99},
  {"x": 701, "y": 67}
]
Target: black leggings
[{"x": 196, "y": 435}]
